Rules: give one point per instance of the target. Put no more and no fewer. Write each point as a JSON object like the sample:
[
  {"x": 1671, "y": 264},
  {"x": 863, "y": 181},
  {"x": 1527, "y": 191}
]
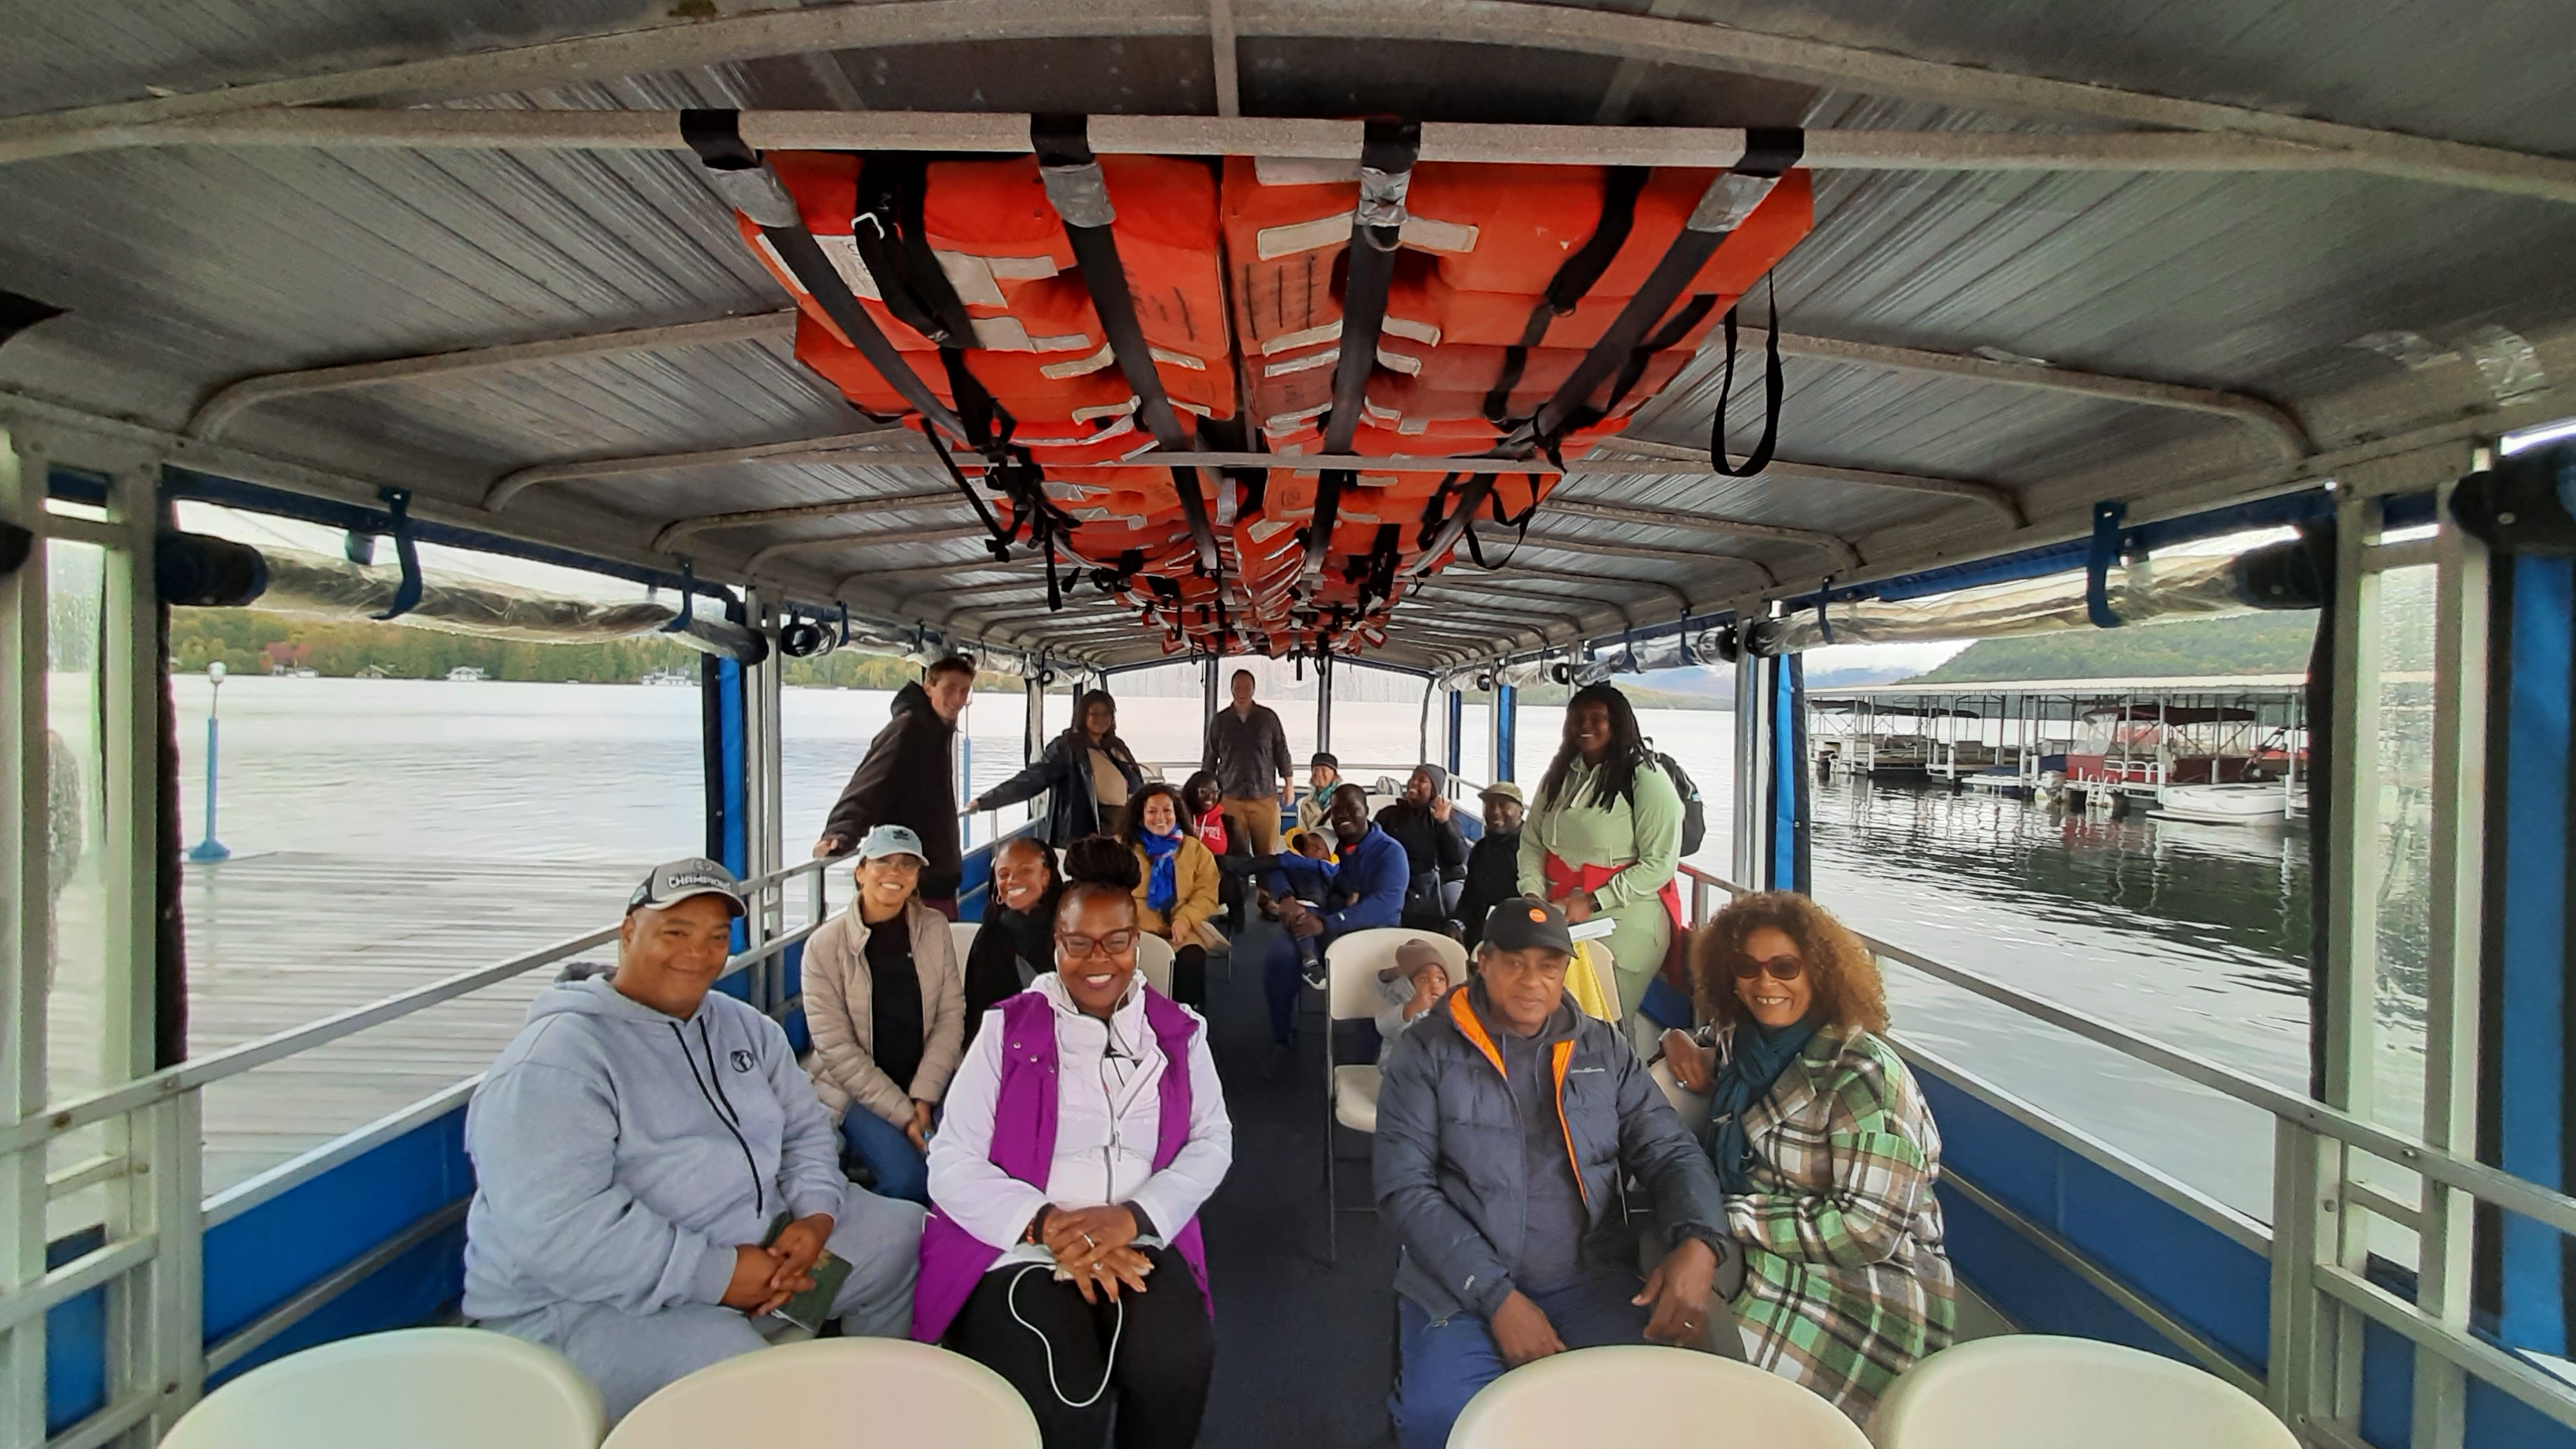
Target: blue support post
[
  {"x": 1507, "y": 729},
  {"x": 1787, "y": 858},
  {"x": 1457, "y": 730},
  {"x": 210, "y": 849}
]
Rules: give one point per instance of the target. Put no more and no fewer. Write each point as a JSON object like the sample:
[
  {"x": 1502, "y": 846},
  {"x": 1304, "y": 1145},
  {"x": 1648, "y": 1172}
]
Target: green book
[{"x": 809, "y": 1309}]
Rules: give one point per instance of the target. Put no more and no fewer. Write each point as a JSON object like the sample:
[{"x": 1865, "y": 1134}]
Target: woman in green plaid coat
[{"x": 1824, "y": 1147}]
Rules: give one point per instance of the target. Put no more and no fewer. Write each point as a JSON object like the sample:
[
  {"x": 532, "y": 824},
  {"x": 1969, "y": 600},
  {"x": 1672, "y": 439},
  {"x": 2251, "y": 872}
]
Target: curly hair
[
  {"x": 1843, "y": 972},
  {"x": 1133, "y": 832},
  {"x": 1099, "y": 865}
]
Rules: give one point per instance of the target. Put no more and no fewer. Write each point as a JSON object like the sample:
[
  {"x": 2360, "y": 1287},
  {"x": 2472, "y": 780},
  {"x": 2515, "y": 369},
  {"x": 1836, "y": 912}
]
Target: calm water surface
[{"x": 2194, "y": 935}]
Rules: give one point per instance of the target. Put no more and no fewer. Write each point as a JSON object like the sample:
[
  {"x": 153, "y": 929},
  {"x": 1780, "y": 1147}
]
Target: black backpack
[{"x": 1694, "y": 813}]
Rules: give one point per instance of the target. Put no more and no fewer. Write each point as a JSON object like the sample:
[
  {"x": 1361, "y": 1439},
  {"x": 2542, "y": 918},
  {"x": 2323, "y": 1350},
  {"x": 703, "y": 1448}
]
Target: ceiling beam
[
  {"x": 1515, "y": 23},
  {"x": 1559, "y": 504},
  {"x": 752, "y": 566},
  {"x": 482, "y": 129},
  {"x": 831, "y": 448},
  {"x": 1223, "y": 58},
  {"x": 680, "y": 530},
  {"x": 1588, "y": 547},
  {"x": 2276, "y": 423},
  {"x": 231, "y": 400}
]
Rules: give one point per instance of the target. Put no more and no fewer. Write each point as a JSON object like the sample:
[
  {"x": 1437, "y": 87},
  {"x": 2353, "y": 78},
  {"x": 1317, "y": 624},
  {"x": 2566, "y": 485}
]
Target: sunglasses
[
  {"x": 1083, "y": 948},
  {"x": 1778, "y": 968}
]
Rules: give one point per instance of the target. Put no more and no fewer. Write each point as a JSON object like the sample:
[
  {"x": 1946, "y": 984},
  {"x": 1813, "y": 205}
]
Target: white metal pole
[{"x": 24, "y": 940}]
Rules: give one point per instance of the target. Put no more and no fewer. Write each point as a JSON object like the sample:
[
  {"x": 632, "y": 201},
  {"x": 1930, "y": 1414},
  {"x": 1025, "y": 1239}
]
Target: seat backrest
[
  {"x": 1688, "y": 1105},
  {"x": 1354, "y": 958},
  {"x": 961, "y": 934},
  {"x": 1639, "y": 1394},
  {"x": 414, "y": 1388},
  {"x": 1593, "y": 959},
  {"x": 2035, "y": 1391},
  {"x": 887, "y": 1393},
  {"x": 1154, "y": 958}
]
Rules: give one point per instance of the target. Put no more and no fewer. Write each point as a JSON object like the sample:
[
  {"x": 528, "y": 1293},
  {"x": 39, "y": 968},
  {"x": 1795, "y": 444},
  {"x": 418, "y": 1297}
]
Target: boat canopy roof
[{"x": 459, "y": 248}]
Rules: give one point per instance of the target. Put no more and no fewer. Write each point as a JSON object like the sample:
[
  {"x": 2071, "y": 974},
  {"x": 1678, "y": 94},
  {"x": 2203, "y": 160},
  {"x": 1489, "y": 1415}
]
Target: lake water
[{"x": 2194, "y": 935}]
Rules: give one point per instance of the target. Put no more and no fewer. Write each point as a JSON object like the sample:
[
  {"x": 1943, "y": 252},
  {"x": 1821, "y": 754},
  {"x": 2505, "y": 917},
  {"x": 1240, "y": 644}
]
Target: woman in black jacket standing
[{"x": 1089, "y": 771}]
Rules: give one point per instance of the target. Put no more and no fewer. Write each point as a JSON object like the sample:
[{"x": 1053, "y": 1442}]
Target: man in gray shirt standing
[{"x": 1247, "y": 751}]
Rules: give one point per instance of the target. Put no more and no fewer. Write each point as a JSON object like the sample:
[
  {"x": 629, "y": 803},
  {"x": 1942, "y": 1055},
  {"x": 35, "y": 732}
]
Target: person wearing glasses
[
  {"x": 1824, "y": 1148},
  {"x": 1083, "y": 1132}
]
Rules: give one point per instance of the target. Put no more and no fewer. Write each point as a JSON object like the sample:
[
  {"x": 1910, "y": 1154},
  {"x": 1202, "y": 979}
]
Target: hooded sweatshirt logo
[{"x": 743, "y": 1061}]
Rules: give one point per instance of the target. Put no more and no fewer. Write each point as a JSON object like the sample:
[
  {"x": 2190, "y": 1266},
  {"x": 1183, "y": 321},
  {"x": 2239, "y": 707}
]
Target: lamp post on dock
[{"x": 211, "y": 849}]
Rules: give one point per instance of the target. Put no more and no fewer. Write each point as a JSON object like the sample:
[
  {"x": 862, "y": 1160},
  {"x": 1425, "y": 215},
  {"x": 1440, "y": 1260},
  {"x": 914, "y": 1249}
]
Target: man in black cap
[{"x": 1511, "y": 1234}]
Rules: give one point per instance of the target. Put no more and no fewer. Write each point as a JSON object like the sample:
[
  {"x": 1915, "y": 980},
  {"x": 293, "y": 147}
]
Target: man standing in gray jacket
[
  {"x": 1506, "y": 1120},
  {"x": 653, "y": 1174}
]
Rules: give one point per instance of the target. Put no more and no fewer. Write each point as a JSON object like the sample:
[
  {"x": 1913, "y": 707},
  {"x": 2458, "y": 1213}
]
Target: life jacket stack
[{"x": 1505, "y": 276}]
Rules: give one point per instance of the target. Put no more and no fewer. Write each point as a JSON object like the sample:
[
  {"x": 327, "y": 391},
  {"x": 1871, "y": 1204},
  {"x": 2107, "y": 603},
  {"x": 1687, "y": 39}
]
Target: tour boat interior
[{"x": 1485, "y": 345}]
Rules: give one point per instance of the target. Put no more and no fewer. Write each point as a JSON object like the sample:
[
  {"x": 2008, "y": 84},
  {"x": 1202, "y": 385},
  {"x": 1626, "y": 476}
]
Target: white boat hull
[{"x": 2253, "y": 804}]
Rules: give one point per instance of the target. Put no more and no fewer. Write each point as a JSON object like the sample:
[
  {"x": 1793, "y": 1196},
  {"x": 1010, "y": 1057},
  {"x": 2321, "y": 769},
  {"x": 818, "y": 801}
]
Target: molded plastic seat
[
  {"x": 1644, "y": 1395},
  {"x": 1355, "y": 1097},
  {"x": 962, "y": 935},
  {"x": 2034, "y": 1391},
  {"x": 1154, "y": 958},
  {"x": 415, "y": 1388},
  {"x": 1688, "y": 1105},
  {"x": 884, "y": 1393}
]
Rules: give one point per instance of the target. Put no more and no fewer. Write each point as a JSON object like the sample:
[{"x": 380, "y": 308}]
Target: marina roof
[
  {"x": 454, "y": 246},
  {"x": 2079, "y": 688}
]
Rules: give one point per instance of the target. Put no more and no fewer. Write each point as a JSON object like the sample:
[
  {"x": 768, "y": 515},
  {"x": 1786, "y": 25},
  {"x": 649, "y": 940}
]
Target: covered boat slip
[{"x": 458, "y": 274}]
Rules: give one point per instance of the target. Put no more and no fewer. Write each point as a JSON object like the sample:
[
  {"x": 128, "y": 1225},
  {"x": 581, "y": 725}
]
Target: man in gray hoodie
[{"x": 653, "y": 1173}]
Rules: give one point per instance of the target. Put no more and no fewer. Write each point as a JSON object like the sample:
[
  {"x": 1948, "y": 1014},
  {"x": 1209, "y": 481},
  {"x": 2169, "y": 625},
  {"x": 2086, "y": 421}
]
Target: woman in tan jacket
[
  {"x": 1176, "y": 896},
  {"x": 886, "y": 1002}
]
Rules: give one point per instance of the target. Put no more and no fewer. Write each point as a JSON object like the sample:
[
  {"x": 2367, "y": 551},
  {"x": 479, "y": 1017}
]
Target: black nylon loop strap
[
  {"x": 1377, "y": 226},
  {"x": 1760, "y": 457},
  {"x": 1073, "y": 177},
  {"x": 1574, "y": 278},
  {"x": 716, "y": 136}
]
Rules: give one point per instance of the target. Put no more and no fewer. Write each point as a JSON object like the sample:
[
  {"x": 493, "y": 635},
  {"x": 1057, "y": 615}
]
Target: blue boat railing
[{"x": 2060, "y": 1231}]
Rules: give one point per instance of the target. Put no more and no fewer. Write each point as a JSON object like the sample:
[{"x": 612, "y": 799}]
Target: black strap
[
  {"x": 716, "y": 136},
  {"x": 1760, "y": 457},
  {"x": 1768, "y": 153},
  {"x": 1387, "y": 153},
  {"x": 1081, "y": 199},
  {"x": 1574, "y": 278},
  {"x": 886, "y": 227}
]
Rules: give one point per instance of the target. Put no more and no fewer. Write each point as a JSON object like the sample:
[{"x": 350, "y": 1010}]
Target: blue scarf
[
  {"x": 1761, "y": 1054},
  {"x": 1162, "y": 852}
]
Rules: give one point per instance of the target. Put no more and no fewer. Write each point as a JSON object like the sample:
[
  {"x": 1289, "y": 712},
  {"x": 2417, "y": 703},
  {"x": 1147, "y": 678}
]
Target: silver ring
[{"x": 1087, "y": 1238}]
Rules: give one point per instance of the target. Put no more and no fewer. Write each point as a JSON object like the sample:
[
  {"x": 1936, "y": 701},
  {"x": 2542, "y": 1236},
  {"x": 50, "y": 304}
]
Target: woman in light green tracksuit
[{"x": 1604, "y": 835}]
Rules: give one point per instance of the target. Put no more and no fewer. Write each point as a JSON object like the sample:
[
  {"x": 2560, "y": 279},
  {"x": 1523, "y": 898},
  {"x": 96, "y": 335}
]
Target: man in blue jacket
[
  {"x": 1364, "y": 888},
  {"x": 653, "y": 1174},
  {"x": 1506, "y": 1122}
]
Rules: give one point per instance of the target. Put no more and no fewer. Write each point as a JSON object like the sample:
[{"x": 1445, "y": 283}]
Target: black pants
[
  {"x": 1159, "y": 1380},
  {"x": 1189, "y": 976}
]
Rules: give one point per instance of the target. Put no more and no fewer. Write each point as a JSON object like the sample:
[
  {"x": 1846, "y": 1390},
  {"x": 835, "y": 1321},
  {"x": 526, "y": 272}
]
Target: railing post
[
  {"x": 2445, "y": 1234},
  {"x": 172, "y": 1357},
  {"x": 2297, "y": 1357},
  {"x": 25, "y": 907}
]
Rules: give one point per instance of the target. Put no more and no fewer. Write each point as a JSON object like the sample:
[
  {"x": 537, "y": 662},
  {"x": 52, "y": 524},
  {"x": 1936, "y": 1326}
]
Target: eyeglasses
[
  {"x": 1083, "y": 948},
  {"x": 1778, "y": 968}
]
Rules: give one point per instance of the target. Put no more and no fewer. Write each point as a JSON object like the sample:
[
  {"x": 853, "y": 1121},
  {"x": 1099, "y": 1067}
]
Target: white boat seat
[
  {"x": 888, "y": 1393},
  {"x": 1642, "y": 1394},
  {"x": 961, "y": 934},
  {"x": 414, "y": 1388},
  {"x": 1154, "y": 958},
  {"x": 2035, "y": 1391},
  {"x": 1355, "y": 1097},
  {"x": 1688, "y": 1105}
]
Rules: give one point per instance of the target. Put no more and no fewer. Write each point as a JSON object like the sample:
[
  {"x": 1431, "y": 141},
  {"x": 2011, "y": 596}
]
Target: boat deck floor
[{"x": 1305, "y": 1348}]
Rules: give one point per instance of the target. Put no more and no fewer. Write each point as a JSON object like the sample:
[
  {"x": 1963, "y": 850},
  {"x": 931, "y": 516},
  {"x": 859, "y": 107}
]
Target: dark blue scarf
[
  {"x": 1761, "y": 1054},
  {"x": 1162, "y": 852}
]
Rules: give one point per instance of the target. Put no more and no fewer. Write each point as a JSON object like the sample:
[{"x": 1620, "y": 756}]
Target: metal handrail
[
  {"x": 189, "y": 1076},
  {"x": 2530, "y": 1199}
]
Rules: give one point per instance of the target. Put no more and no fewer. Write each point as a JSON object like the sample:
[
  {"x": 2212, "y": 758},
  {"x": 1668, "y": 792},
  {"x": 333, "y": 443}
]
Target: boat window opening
[{"x": 76, "y": 836}]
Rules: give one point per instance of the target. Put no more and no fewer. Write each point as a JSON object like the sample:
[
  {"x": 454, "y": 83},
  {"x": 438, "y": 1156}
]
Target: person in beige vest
[{"x": 886, "y": 1001}]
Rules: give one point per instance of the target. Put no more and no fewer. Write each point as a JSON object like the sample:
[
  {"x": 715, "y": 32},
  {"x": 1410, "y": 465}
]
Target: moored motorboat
[{"x": 2242, "y": 804}]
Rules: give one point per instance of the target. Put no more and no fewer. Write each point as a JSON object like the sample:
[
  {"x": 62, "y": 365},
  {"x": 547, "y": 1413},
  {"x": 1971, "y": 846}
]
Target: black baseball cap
[{"x": 1520, "y": 923}]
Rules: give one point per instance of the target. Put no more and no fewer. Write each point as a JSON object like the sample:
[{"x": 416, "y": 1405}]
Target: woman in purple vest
[{"x": 1083, "y": 1131}]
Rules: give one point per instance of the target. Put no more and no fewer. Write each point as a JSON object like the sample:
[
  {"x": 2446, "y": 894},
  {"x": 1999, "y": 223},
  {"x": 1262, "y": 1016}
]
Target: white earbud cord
[{"x": 1109, "y": 1364}]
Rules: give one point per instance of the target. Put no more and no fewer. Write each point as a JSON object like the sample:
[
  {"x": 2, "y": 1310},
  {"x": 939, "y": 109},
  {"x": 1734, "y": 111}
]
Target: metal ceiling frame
[
  {"x": 680, "y": 530},
  {"x": 221, "y": 407},
  {"x": 506, "y": 489},
  {"x": 1510, "y": 23}
]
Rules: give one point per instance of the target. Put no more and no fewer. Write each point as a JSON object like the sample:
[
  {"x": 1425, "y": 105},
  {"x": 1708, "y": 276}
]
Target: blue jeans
[
  {"x": 1282, "y": 976},
  {"x": 1444, "y": 1362},
  {"x": 900, "y": 1168}
]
